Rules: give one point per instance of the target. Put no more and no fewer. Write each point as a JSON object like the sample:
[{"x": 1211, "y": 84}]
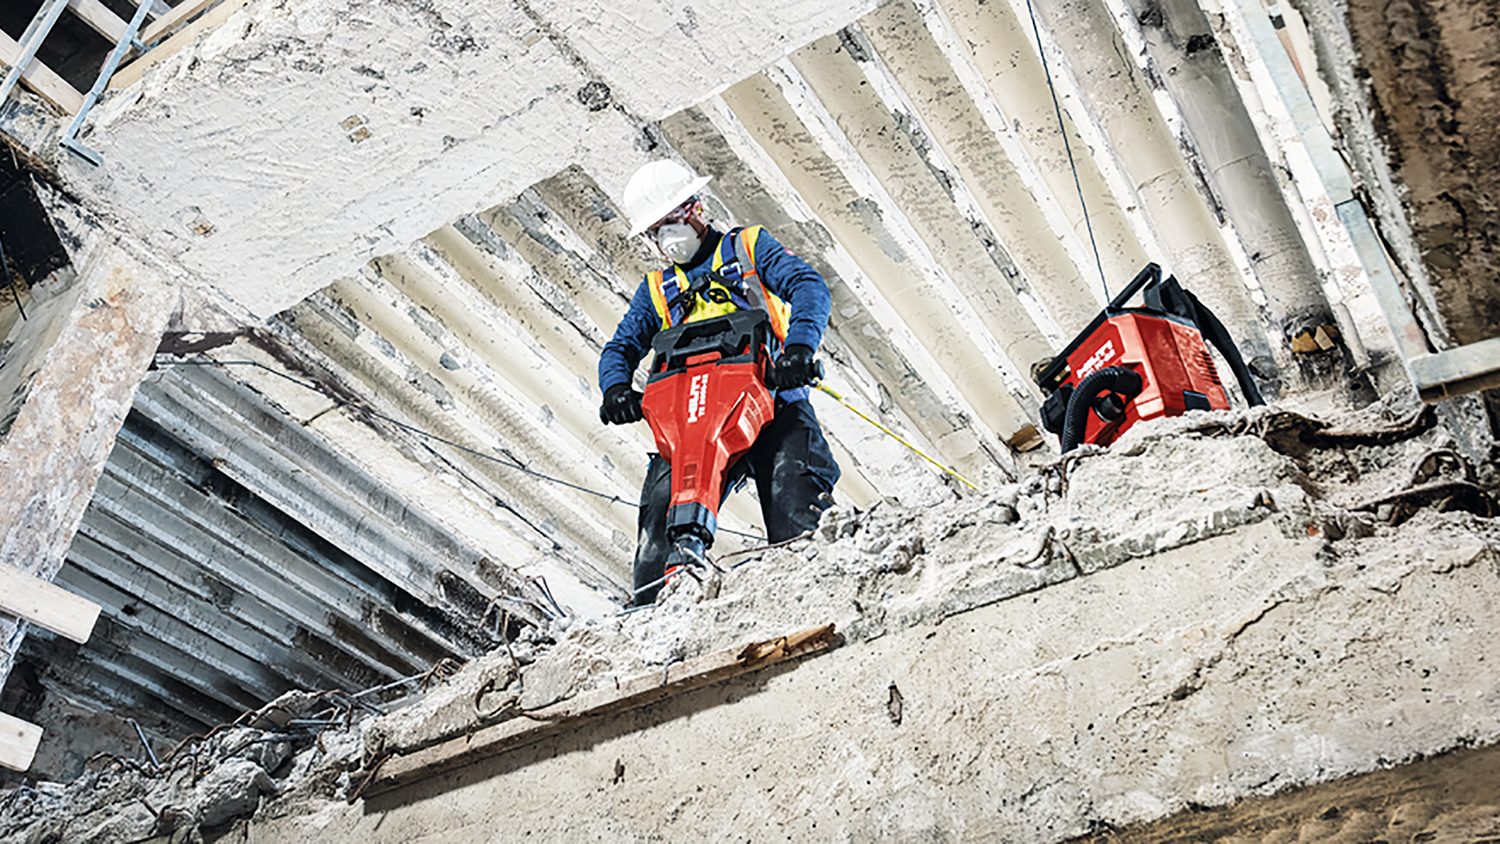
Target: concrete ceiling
[{"x": 397, "y": 229}]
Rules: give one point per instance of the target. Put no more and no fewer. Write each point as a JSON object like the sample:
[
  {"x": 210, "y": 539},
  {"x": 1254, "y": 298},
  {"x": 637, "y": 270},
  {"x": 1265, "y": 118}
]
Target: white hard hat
[{"x": 657, "y": 188}]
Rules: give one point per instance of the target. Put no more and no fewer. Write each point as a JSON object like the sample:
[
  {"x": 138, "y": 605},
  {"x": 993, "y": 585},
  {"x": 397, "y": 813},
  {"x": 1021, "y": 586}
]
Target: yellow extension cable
[{"x": 892, "y": 434}]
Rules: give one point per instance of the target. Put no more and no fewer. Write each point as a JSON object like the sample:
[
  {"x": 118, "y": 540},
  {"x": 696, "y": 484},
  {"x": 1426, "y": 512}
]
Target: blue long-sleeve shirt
[{"x": 782, "y": 272}]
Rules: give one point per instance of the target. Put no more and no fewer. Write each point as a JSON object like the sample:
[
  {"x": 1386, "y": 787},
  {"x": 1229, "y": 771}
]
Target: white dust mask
[{"x": 678, "y": 241}]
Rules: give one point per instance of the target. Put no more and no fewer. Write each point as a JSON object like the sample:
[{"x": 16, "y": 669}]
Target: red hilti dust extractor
[
  {"x": 1139, "y": 363},
  {"x": 706, "y": 401}
]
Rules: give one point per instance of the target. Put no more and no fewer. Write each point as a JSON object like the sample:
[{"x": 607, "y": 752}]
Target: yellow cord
[{"x": 892, "y": 434}]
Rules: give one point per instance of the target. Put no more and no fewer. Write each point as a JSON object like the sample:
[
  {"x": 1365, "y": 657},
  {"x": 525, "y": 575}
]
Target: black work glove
[
  {"x": 622, "y": 406},
  {"x": 795, "y": 368}
]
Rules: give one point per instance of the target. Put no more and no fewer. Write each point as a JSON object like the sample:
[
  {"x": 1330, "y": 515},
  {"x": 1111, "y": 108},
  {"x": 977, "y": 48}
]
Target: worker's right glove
[
  {"x": 795, "y": 368},
  {"x": 622, "y": 406}
]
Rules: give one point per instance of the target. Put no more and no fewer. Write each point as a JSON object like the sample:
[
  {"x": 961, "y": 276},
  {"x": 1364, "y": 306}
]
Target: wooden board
[
  {"x": 100, "y": 19},
  {"x": 567, "y": 715},
  {"x": 18, "y": 741},
  {"x": 46, "y": 605},
  {"x": 173, "y": 19},
  {"x": 40, "y": 78},
  {"x": 132, "y": 72}
]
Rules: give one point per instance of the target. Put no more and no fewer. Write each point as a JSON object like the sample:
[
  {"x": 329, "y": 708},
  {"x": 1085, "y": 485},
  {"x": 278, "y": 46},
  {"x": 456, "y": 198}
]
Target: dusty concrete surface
[{"x": 1186, "y": 620}]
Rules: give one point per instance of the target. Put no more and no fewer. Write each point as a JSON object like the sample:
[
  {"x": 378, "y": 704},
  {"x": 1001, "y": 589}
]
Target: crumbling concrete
[
  {"x": 1217, "y": 607},
  {"x": 74, "y": 369}
]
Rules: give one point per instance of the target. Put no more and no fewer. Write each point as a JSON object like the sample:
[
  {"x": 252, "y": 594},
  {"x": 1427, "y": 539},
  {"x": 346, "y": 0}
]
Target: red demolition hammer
[{"x": 706, "y": 401}]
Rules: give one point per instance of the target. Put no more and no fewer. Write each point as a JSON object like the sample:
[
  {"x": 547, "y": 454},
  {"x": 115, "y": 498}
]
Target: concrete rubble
[{"x": 1218, "y": 606}]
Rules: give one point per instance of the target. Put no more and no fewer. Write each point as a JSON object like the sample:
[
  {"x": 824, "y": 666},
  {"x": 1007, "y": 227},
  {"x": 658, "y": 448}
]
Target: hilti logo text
[
  {"x": 1097, "y": 360},
  {"x": 697, "y": 397}
]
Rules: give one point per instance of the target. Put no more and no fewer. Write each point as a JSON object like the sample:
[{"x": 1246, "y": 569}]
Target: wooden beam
[
  {"x": 99, "y": 18},
  {"x": 173, "y": 19},
  {"x": 18, "y": 741},
  {"x": 40, "y": 78},
  {"x": 567, "y": 715},
  {"x": 132, "y": 72},
  {"x": 46, "y": 605}
]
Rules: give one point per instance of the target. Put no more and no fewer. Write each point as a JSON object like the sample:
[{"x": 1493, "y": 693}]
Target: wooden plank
[
  {"x": 99, "y": 18},
  {"x": 46, "y": 605},
  {"x": 40, "y": 78},
  {"x": 173, "y": 19},
  {"x": 567, "y": 715},
  {"x": 132, "y": 72},
  {"x": 18, "y": 741}
]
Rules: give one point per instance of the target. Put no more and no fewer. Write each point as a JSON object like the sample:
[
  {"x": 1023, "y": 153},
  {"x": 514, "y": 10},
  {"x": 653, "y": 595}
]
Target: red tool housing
[
  {"x": 1139, "y": 363},
  {"x": 706, "y": 402},
  {"x": 1177, "y": 372}
]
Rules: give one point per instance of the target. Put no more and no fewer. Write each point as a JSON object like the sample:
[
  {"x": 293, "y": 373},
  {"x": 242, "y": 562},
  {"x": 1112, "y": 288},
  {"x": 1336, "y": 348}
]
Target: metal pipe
[
  {"x": 31, "y": 41},
  {"x": 70, "y": 137},
  {"x": 151, "y": 754}
]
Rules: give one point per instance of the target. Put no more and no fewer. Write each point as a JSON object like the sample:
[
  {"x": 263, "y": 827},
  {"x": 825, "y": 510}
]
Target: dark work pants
[{"x": 793, "y": 469}]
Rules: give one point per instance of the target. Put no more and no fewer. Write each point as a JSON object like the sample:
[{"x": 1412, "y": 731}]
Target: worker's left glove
[
  {"x": 795, "y": 368},
  {"x": 622, "y": 405}
]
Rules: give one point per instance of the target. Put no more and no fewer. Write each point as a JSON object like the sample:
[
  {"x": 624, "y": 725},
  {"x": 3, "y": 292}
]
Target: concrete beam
[
  {"x": 967, "y": 125},
  {"x": 179, "y": 605},
  {"x": 885, "y": 273},
  {"x": 999, "y": 44},
  {"x": 81, "y": 358},
  {"x": 597, "y": 557},
  {"x": 112, "y": 678},
  {"x": 1121, "y": 102},
  {"x": 289, "y": 374},
  {"x": 1194, "y": 70},
  {"x": 251, "y": 583},
  {"x": 200, "y": 658},
  {"x": 266, "y": 576},
  {"x": 296, "y": 470},
  {"x": 449, "y": 107},
  {"x": 891, "y": 141},
  {"x": 483, "y": 391}
]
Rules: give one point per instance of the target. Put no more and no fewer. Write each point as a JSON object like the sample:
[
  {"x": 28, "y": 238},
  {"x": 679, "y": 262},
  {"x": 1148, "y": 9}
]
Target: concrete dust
[{"x": 1288, "y": 508}]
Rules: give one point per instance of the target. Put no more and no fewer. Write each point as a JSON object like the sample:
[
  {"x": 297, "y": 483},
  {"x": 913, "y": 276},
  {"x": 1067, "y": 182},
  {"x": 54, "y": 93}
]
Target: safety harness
[{"x": 731, "y": 284}]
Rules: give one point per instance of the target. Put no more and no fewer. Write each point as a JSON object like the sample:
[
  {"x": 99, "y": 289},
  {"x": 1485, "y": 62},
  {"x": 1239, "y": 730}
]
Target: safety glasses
[{"x": 676, "y": 215}]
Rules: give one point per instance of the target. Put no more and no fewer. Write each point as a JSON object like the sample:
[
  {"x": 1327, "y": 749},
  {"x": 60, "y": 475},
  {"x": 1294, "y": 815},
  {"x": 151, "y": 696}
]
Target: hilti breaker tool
[
  {"x": 1139, "y": 363},
  {"x": 706, "y": 401}
]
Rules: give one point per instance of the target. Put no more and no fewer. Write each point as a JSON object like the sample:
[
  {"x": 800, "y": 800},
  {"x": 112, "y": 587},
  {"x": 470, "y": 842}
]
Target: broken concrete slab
[{"x": 1195, "y": 631}]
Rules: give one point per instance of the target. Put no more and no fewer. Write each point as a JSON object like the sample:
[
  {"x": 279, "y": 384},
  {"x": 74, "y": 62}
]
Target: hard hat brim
[{"x": 666, "y": 205}]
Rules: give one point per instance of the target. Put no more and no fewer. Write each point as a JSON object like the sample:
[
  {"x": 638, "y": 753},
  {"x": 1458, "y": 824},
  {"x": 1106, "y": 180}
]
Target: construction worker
[{"x": 791, "y": 463}]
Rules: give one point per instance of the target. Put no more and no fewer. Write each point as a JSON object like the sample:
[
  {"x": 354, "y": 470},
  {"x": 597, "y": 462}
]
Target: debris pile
[
  {"x": 1349, "y": 484},
  {"x": 301, "y": 741}
]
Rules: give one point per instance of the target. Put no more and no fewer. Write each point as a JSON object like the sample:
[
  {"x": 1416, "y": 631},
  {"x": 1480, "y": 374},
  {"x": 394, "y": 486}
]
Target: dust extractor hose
[{"x": 1112, "y": 379}]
